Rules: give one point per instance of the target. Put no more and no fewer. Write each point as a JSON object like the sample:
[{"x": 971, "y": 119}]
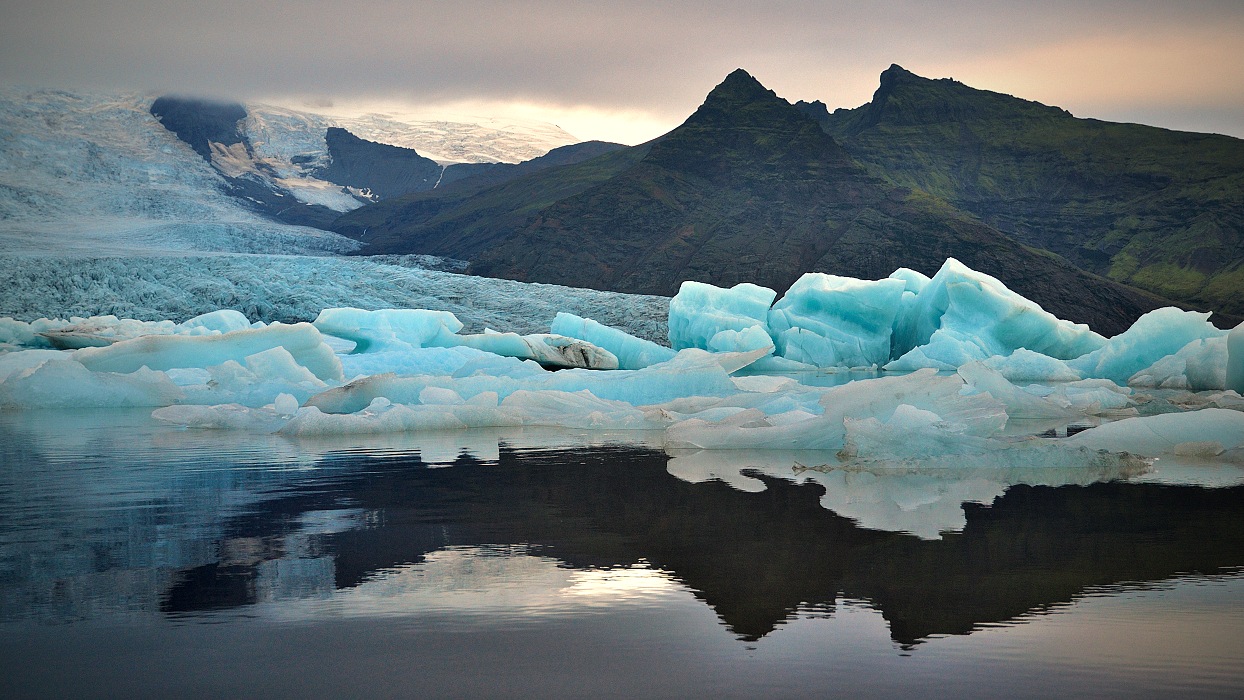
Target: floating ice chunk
[
  {"x": 12, "y": 362},
  {"x": 746, "y": 340},
  {"x": 384, "y": 416},
  {"x": 832, "y": 321},
  {"x": 632, "y": 352},
  {"x": 873, "y": 398},
  {"x": 1100, "y": 397},
  {"x": 765, "y": 384},
  {"x": 64, "y": 383},
  {"x": 1019, "y": 403},
  {"x": 1163, "y": 434},
  {"x": 258, "y": 380},
  {"x": 301, "y": 340},
  {"x": 285, "y": 405},
  {"x": 1024, "y": 365},
  {"x": 913, "y": 281},
  {"x": 1235, "y": 360},
  {"x": 221, "y": 321},
  {"x": 578, "y": 409},
  {"x": 432, "y": 361},
  {"x": 1155, "y": 335},
  {"x": 700, "y": 311},
  {"x": 389, "y": 329},
  {"x": 909, "y": 433},
  {"x": 19, "y": 334},
  {"x": 964, "y": 315},
  {"x": 544, "y": 348},
  {"x": 690, "y": 373},
  {"x": 1200, "y": 365},
  {"x": 230, "y": 416}
]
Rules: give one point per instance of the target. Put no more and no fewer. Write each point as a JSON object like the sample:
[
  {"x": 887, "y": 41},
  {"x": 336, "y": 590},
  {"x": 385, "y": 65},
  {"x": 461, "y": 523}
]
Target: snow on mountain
[
  {"x": 97, "y": 174},
  {"x": 460, "y": 138},
  {"x": 291, "y": 143},
  {"x": 292, "y": 135},
  {"x": 103, "y": 210}
]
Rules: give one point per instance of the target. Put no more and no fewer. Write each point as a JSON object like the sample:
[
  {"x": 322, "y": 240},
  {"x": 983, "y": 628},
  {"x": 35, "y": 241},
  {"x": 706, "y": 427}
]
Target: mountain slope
[
  {"x": 1157, "y": 209},
  {"x": 747, "y": 189},
  {"x": 387, "y": 171}
]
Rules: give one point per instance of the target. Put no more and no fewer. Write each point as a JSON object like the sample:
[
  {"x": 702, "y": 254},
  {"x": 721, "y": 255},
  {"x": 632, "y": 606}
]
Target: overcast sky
[{"x": 627, "y": 71}]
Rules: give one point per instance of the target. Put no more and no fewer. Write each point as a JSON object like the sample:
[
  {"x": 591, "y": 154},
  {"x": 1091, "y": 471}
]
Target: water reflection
[{"x": 107, "y": 517}]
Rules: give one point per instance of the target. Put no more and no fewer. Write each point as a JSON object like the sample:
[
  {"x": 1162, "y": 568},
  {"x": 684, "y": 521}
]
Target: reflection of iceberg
[{"x": 923, "y": 498}]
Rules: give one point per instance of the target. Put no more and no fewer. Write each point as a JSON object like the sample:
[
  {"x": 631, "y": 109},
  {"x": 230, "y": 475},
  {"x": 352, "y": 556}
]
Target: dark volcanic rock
[
  {"x": 200, "y": 122},
  {"x": 481, "y": 174},
  {"x": 388, "y": 171}
]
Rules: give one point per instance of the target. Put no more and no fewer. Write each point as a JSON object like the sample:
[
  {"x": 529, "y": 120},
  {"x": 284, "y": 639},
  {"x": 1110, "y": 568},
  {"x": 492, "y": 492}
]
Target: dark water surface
[{"x": 142, "y": 561}]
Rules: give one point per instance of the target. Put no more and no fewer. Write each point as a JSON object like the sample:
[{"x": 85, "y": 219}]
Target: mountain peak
[
  {"x": 743, "y": 123},
  {"x": 739, "y": 88},
  {"x": 896, "y": 74}
]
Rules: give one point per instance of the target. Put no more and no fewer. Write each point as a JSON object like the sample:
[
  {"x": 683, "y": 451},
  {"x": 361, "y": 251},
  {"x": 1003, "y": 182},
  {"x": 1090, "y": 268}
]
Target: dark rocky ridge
[
  {"x": 391, "y": 171},
  {"x": 388, "y": 171},
  {"x": 1157, "y": 209},
  {"x": 748, "y": 189},
  {"x": 200, "y": 122}
]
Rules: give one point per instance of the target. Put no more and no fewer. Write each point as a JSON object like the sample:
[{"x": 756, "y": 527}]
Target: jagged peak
[{"x": 739, "y": 87}]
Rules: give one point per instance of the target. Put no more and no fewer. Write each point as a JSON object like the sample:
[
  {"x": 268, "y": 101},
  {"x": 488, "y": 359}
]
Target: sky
[{"x": 629, "y": 71}]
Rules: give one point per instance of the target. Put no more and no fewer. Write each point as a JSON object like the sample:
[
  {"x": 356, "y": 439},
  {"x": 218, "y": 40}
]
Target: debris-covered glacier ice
[{"x": 632, "y": 352}]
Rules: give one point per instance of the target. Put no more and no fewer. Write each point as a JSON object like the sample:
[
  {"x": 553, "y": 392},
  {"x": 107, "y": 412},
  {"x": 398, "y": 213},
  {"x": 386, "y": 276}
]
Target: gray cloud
[{"x": 657, "y": 57}]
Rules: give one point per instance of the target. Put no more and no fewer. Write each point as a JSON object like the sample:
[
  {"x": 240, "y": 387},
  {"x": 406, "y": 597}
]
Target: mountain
[
  {"x": 1157, "y": 209},
  {"x": 215, "y": 130},
  {"x": 386, "y": 171},
  {"x": 748, "y": 189}
]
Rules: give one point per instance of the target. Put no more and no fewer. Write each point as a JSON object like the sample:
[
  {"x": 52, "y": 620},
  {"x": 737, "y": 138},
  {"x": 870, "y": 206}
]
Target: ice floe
[{"x": 997, "y": 363}]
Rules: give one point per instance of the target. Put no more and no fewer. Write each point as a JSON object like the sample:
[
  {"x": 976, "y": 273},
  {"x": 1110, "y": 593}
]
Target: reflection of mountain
[{"x": 754, "y": 557}]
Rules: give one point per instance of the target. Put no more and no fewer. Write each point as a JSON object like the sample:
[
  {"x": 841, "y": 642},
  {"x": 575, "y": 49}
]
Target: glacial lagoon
[{"x": 143, "y": 559}]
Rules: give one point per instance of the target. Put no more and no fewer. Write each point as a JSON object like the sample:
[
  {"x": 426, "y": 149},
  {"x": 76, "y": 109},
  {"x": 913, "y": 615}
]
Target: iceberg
[
  {"x": 631, "y": 352},
  {"x": 1200, "y": 365},
  {"x": 410, "y": 329},
  {"x": 700, "y": 312},
  {"x": 548, "y": 349},
  {"x": 962, "y": 315},
  {"x": 385, "y": 329},
  {"x": 978, "y": 414},
  {"x": 830, "y": 321},
  {"x": 1235, "y": 360},
  {"x": 301, "y": 340},
  {"x": 1209, "y": 432},
  {"x": 66, "y": 383},
  {"x": 1155, "y": 335}
]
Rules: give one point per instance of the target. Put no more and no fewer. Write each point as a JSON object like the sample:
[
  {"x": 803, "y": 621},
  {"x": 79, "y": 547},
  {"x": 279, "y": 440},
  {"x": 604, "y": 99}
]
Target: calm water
[{"x": 139, "y": 560}]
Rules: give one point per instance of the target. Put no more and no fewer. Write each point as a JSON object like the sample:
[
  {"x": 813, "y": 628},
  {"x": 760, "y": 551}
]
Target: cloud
[{"x": 643, "y": 62}]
